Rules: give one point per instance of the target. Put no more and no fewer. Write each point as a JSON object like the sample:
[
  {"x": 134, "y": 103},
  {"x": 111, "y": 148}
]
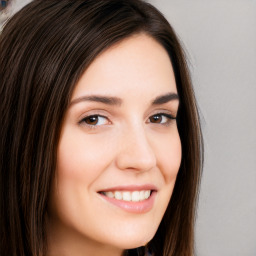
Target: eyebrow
[
  {"x": 162, "y": 99},
  {"x": 115, "y": 101},
  {"x": 98, "y": 98}
]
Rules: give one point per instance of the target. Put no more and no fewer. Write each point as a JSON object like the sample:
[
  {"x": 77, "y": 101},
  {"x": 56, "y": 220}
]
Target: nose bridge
[{"x": 135, "y": 152}]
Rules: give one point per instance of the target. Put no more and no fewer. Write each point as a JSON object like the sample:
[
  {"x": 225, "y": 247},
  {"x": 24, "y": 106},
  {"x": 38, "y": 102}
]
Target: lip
[
  {"x": 131, "y": 188},
  {"x": 130, "y": 206}
]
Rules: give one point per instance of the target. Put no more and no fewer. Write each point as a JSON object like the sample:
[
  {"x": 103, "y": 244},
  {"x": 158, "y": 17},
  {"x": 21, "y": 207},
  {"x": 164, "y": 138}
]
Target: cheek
[
  {"x": 169, "y": 158},
  {"x": 80, "y": 161},
  {"x": 83, "y": 158}
]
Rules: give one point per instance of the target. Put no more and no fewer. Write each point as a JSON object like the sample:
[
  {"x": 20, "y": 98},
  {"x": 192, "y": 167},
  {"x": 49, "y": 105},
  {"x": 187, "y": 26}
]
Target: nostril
[
  {"x": 135, "y": 151},
  {"x": 135, "y": 163}
]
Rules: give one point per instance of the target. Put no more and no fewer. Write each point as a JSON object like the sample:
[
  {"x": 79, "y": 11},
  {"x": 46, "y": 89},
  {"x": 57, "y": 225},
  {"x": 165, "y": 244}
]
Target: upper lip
[{"x": 130, "y": 188}]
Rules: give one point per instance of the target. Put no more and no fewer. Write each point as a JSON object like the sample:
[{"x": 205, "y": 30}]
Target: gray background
[{"x": 220, "y": 40}]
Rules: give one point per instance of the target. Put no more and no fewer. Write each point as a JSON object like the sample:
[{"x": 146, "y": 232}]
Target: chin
[{"x": 134, "y": 240}]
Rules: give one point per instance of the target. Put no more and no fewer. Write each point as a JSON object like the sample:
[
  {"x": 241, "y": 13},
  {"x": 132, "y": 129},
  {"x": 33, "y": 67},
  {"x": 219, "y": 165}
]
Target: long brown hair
[{"x": 44, "y": 49}]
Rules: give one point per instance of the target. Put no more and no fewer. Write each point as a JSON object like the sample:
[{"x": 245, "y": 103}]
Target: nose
[{"x": 135, "y": 151}]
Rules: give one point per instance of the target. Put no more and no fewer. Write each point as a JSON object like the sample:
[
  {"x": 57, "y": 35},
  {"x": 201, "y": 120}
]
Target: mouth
[
  {"x": 131, "y": 199},
  {"x": 129, "y": 196}
]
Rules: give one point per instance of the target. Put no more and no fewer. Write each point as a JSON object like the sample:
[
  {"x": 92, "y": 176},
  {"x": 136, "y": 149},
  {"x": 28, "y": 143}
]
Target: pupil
[
  {"x": 156, "y": 119},
  {"x": 92, "y": 120}
]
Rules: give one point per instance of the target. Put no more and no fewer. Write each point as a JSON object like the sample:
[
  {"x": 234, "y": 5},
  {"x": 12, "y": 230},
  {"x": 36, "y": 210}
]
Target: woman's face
[{"x": 119, "y": 151}]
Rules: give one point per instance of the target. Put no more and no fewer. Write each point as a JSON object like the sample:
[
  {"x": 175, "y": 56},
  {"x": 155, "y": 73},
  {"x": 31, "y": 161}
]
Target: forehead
[{"x": 137, "y": 65}]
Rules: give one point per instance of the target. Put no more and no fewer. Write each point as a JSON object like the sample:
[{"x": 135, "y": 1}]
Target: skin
[{"x": 129, "y": 144}]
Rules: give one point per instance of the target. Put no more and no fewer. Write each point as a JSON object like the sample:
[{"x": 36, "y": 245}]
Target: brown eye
[
  {"x": 91, "y": 120},
  {"x": 161, "y": 118},
  {"x": 156, "y": 119},
  {"x": 94, "y": 120}
]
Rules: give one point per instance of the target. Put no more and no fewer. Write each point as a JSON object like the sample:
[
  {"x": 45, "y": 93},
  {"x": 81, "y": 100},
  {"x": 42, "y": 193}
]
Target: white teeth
[
  {"x": 127, "y": 196},
  {"x": 142, "y": 195},
  {"x": 134, "y": 196},
  {"x": 118, "y": 195},
  {"x": 147, "y": 194},
  {"x": 109, "y": 194}
]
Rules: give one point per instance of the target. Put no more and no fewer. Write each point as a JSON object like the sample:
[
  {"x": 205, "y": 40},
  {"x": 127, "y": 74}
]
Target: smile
[
  {"x": 133, "y": 199},
  {"x": 134, "y": 196}
]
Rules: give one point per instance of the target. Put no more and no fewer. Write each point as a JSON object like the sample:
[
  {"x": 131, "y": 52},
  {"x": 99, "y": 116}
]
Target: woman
[{"x": 100, "y": 135}]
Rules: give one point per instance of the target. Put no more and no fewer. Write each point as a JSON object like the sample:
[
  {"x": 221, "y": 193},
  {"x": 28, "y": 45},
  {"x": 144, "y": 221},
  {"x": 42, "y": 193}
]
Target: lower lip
[{"x": 133, "y": 207}]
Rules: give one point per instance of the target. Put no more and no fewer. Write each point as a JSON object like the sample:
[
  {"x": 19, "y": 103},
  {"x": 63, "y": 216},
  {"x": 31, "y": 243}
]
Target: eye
[
  {"x": 94, "y": 120},
  {"x": 161, "y": 118}
]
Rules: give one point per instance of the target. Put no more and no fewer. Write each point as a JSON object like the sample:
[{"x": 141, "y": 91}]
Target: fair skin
[{"x": 125, "y": 146}]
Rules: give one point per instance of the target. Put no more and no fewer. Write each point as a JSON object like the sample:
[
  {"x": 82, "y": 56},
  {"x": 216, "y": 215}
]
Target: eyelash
[{"x": 169, "y": 117}]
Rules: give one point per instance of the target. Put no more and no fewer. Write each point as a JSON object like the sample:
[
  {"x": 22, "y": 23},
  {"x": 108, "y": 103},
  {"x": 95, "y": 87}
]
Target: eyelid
[
  {"x": 170, "y": 113},
  {"x": 166, "y": 113},
  {"x": 91, "y": 126},
  {"x": 170, "y": 118}
]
